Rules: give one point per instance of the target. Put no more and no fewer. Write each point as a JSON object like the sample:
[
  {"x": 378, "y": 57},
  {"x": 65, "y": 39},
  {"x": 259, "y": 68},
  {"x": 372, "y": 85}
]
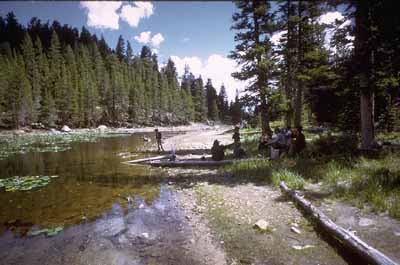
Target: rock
[
  {"x": 295, "y": 230},
  {"x": 396, "y": 233},
  {"x": 366, "y": 222},
  {"x": 18, "y": 132},
  {"x": 187, "y": 217},
  {"x": 102, "y": 128},
  {"x": 65, "y": 128},
  {"x": 297, "y": 247},
  {"x": 261, "y": 225},
  {"x": 145, "y": 235}
]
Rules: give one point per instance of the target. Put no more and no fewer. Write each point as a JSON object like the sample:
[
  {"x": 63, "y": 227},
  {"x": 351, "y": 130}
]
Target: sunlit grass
[{"x": 334, "y": 161}]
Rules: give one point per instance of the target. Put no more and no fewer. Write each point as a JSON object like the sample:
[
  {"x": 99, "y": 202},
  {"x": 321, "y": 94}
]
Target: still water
[{"x": 91, "y": 180}]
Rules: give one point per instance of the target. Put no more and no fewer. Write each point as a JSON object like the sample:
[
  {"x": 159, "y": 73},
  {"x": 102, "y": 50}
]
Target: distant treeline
[{"x": 56, "y": 75}]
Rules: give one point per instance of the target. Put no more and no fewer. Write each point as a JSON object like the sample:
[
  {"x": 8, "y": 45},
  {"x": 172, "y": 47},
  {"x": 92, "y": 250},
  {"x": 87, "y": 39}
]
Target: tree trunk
[
  {"x": 298, "y": 108},
  {"x": 290, "y": 82},
  {"x": 367, "y": 102},
  {"x": 298, "y": 102},
  {"x": 363, "y": 55},
  {"x": 266, "y": 129},
  {"x": 261, "y": 76}
]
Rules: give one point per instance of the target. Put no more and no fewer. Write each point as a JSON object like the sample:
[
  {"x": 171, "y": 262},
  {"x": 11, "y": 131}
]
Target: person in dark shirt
[
  {"x": 263, "y": 147},
  {"x": 299, "y": 141},
  {"x": 217, "y": 151},
  {"x": 236, "y": 135},
  {"x": 238, "y": 151},
  {"x": 159, "y": 142}
]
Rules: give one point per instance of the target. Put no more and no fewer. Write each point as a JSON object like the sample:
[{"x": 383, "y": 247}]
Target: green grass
[
  {"x": 334, "y": 161},
  {"x": 266, "y": 171}
]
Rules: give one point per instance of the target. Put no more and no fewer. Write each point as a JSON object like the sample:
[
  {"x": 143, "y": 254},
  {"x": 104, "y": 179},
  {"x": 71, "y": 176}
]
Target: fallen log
[
  {"x": 147, "y": 159},
  {"x": 349, "y": 240},
  {"x": 189, "y": 163}
]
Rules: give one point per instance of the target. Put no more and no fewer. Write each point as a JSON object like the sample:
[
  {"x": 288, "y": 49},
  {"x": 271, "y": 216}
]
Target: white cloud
[
  {"x": 216, "y": 67},
  {"x": 330, "y": 17},
  {"x": 132, "y": 14},
  {"x": 276, "y": 37},
  {"x": 154, "y": 51},
  {"x": 143, "y": 37},
  {"x": 185, "y": 39},
  {"x": 157, "y": 40},
  {"x": 102, "y": 14}
]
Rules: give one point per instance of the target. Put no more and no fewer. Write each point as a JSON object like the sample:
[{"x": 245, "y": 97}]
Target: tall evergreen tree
[
  {"x": 212, "y": 108},
  {"x": 254, "y": 24}
]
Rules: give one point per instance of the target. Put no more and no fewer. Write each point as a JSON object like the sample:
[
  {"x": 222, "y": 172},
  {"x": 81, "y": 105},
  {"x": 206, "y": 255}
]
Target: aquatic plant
[{"x": 25, "y": 183}]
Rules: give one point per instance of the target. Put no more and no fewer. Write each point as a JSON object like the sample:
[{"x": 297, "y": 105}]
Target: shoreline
[{"x": 113, "y": 130}]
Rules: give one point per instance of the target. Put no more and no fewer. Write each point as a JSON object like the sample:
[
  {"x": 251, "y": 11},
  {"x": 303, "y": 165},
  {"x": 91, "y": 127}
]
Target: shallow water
[{"x": 91, "y": 179}]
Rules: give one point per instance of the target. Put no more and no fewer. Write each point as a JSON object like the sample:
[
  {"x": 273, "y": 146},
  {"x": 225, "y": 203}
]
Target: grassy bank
[{"x": 372, "y": 181}]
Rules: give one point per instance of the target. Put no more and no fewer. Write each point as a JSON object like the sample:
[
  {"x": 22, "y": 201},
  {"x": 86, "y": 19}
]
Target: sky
[{"x": 194, "y": 33}]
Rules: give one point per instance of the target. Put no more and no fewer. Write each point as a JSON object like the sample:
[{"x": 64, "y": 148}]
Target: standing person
[
  {"x": 159, "y": 138},
  {"x": 238, "y": 151},
  {"x": 236, "y": 135}
]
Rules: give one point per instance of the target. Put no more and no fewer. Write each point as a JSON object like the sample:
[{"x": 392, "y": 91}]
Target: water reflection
[
  {"x": 139, "y": 233},
  {"x": 92, "y": 178}
]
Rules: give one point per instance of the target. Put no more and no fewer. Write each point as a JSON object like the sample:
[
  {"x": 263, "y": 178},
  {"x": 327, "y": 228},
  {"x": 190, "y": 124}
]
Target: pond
[
  {"x": 81, "y": 213},
  {"x": 91, "y": 178}
]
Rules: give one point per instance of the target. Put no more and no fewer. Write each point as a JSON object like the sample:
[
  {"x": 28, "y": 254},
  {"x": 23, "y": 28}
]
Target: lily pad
[{"x": 25, "y": 183}]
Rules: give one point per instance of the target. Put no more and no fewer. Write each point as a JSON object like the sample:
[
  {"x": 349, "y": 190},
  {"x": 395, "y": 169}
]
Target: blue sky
[
  {"x": 193, "y": 33},
  {"x": 189, "y": 28}
]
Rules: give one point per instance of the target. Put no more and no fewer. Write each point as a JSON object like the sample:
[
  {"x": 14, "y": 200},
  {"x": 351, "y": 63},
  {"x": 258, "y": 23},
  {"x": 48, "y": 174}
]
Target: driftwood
[
  {"x": 349, "y": 240},
  {"x": 189, "y": 163},
  {"x": 147, "y": 159}
]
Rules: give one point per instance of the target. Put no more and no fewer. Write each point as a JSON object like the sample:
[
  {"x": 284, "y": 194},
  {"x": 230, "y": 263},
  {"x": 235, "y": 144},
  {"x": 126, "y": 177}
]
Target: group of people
[
  {"x": 284, "y": 141},
  {"x": 218, "y": 150}
]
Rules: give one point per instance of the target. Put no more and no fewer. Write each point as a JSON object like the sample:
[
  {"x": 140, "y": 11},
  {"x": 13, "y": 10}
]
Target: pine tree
[
  {"x": 120, "y": 49},
  {"x": 73, "y": 86},
  {"x": 222, "y": 103},
  {"x": 129, "y": 53},
  {"x": 212, "y": 108},
  {"x": 33, "y": 75},
  {"x": 236, "y": 110},
  {"x": 255, "y": 25}
]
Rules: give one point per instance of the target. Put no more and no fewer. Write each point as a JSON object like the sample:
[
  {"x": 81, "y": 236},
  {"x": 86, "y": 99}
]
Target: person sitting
[
  {"x": 298, "y": 141},
  {"x": 279, "y": 141},
  {"x": 263, "y": 145},
  {"x": 238, "y": 151},
  {"x": 217, "y": 151}
]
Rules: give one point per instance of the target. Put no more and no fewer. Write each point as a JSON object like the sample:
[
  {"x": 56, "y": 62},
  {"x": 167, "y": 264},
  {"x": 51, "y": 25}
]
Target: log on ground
[
  {"x": 189, "y": 163},
  {"x": 349, "y": 240},
  {"x": 147, "y": 159}
]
